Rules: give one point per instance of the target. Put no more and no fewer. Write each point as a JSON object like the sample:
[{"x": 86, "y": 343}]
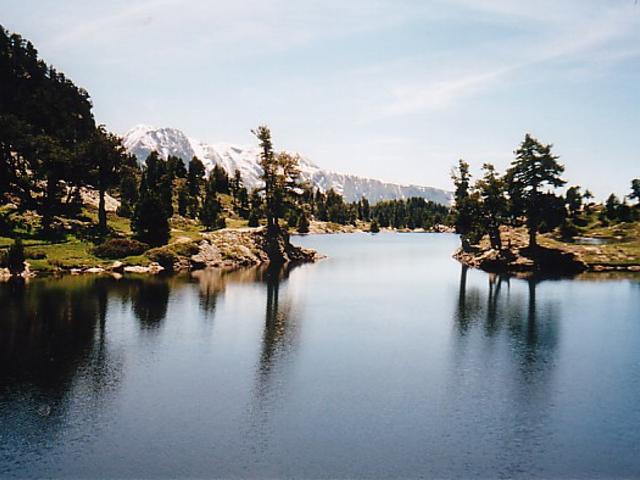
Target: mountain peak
[{"x": 143, "y": 139}]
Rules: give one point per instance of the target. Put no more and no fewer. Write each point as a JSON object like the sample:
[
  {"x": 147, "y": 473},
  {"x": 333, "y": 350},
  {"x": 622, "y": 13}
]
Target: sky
[{"x": 390, "y": 89}]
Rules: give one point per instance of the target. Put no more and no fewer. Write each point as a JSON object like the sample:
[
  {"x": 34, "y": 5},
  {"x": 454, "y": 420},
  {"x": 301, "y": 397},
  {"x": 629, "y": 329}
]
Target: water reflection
[
  {"x": 502, "y": 325},
  {"x": 279, "y": 340}
]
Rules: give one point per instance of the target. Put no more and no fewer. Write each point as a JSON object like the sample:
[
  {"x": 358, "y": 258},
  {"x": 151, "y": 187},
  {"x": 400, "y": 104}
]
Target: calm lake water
[{"x": 387, "y": 359}]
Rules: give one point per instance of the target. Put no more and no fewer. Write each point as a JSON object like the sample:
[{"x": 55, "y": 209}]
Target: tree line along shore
[{"x": 73, "y": 199}]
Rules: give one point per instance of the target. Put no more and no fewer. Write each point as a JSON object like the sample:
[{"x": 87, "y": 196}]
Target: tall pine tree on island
[
  {"x": 466, "y": 209},
  {"x": 531, "y": 179},
  {"x": 493, "y": 207},
  {"x": 280, "y": 174}
]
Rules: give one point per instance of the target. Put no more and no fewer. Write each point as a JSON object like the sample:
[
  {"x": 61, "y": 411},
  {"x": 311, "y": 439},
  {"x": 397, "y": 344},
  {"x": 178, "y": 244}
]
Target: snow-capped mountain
[{"x": 143, "y": 139}]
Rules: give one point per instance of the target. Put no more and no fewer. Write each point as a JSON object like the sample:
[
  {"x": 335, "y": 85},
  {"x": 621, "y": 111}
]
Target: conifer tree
[
  {"x": 129, "y": 185},
  {"x": 150, "y": 220},
  {"x": 15, "y": 258},
  {"x": 635, "y": 190},
  {"x": 211, "y": 211},
  {"x": 611, "y": 207},
  {"x": 534, "y": 170},
  {"x": 106, "y": 154},
  {"x": 303, "y": 223},
  {"x": 574, "y": 200},
  {"x": 466, "y": 209},
  {"x": 280, "y": 176},
  {"x": 494, "y": 203},
  {"x": 195, "y": 178}
]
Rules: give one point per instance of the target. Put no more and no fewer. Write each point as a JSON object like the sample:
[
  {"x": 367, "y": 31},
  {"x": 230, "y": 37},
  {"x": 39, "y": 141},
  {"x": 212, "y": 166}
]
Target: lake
[{"x": 387, "y": 359}]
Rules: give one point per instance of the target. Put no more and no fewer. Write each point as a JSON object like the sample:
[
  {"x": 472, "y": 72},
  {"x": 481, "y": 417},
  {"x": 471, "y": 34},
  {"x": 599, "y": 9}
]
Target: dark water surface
[{"x": 387, "y": 359}]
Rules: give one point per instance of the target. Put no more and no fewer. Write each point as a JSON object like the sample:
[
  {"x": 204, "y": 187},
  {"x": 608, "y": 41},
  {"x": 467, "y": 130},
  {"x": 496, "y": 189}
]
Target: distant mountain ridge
[{"x": 143, "y": 139}]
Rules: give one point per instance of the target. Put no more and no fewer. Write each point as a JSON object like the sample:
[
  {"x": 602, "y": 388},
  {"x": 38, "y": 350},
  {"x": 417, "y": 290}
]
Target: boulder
[{"x": 94, "y": 270}]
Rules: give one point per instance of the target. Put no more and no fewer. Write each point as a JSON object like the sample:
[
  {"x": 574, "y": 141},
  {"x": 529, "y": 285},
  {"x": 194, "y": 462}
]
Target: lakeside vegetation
[
  {"x": 71, "y": 197},
  {"x": 59, "y": 170},
  {"x": 520, "y": 205}
]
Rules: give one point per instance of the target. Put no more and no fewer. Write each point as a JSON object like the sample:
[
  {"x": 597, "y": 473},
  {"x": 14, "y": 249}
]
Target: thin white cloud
[{"x": 578, "y": 39}]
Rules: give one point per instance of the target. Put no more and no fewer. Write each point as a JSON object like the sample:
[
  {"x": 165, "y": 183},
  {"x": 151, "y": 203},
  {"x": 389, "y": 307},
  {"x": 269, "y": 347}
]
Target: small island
[{"x": 516, "y": 223}]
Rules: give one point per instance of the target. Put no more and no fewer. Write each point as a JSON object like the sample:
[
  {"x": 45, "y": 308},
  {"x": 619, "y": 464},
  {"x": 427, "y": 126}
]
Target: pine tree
[
  {"x": 534, "y": 169},
  {"x": 494, "y": 203},
  {"x": 574, "y": 200},
  {"x": 129, "y": 185},
  {"x": 466, "y": 209},
  {"x": 303, "y": 223},
  {"x": 15, "y": 258},
  {"x": 635, "y": 190},
  {"x": 106, "y": 152},
  {"x": 195, "y": 178},
  {"x": 150, "y": 220},
  {"x": 280, "y": 176},
  {"x": 183, "y": 200},
  {"x": 611, "y": 207},
  {"x": 211, "y": 211}
]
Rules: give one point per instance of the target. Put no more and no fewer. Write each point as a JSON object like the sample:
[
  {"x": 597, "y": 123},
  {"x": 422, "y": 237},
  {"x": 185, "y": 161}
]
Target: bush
[
  {"x": 303, "y": 224},
  {"x": 568, "y": 230},
  {"x": 14, "y": 258},
  {"x": 169, "y": 255},
  {"x": 165, "y": 257},
  {"x": 35, "y": 255},
  {"x": 120, "y": 248},
  {"x": 254, "y": 220},
  {"x": 374, "y": 227}
]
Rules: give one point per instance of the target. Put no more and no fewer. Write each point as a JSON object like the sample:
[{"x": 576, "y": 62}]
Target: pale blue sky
[{"x": 391, "y": 89}]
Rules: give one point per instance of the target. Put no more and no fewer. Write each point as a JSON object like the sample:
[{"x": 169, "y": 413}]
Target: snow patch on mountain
[{"x": 143, "y": 139}]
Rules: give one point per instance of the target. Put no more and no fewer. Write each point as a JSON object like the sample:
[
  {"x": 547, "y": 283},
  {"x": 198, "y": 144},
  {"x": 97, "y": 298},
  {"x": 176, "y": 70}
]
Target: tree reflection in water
[
  {"x": 512, "y": 322},
  {"x": 53, "y": 354},
  {"x": 279, "y": 338}
]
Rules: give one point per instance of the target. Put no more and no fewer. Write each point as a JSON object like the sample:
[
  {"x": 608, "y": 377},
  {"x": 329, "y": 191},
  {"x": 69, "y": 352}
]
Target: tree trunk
[
  {"x": 102, "y": 212},
  {"x": 533, "y": 241},
  {"x": 50, "y": 203},
  {"x": 466, "y": 246},
  {"x": 496, "y": 239}
]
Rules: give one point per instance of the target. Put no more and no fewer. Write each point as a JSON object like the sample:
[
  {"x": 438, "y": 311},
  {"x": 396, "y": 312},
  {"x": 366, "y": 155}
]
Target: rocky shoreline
[
  {"x": 223, "y": 249},
  {"x": 550, "y": 258}
]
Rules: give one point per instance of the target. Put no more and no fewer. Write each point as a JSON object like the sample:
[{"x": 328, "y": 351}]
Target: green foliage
[
  {"x": 467, "y": 209},
  {"x": 574, "y": 200},
  {"x": 211, "y": 211},
  {"x": 635, "y": 190},
  {"x": 120, "y": 248},
  {"x": 303, "y": 223},
  {"x": 411, "y": 213},
  {"x": 129, "y": 186},
  {"x": 534, "y": 169},
  {"x": 254, "y": 219},
  {"x": 280, "y": 174},
  {"x": 493, "y": 203},
  {"x": 150, "y": 221},
  {"x": 611, "y": 207},
  {"x": 14, "y": 258},
  {"x": 220, "y": 179}
]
